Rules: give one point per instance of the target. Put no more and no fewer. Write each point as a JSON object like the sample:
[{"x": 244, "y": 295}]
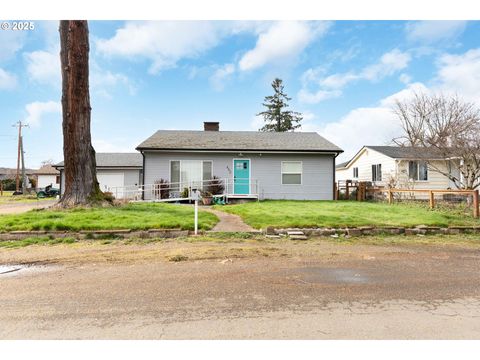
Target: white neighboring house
[
  {"x": 115, "y": 171},
  {"x": 47, "y": 175},
  {"x": 400, "y": 167}
]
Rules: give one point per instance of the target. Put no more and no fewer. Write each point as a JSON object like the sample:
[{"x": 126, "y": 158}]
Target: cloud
[
  {"x": 405, "y": 78},
  {"x": 43, "y": 66},
  {"x": 163, "y": 43},
  {"x": 102, "y": 82},
  {"x": 119, "y": 144},
  {"x": 460, "y": 74},
  {"x": 308, "y": 97},
  {"x": 431, "y": 31},
  {"x": 362, "y": 126},
  {"x": 376, "y": 125},
  {"x": 38, "y": 109},
  {"x": 221, "y": 75},
  {"x": 283, "y": 40},
  {"x": 331, "y": 86},
  {"x": 10, "y": 43},
  {"x": 7, "y": 81},
  {"x": 389, "y": 64}
]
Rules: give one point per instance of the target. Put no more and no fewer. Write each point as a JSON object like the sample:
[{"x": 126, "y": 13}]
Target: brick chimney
[{"x": 211, "y": 126}]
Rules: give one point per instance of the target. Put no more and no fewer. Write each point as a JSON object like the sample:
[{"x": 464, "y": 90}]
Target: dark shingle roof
[
  {"x": 46, "y": 170},
  {"x": 237, "y": 140},
  {"x": 118, "y": 160},
  {"x": 341, "y": 165},
  {"x": 397, "y": 152}
]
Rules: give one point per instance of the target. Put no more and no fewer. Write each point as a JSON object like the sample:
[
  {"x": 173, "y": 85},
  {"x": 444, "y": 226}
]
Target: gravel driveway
[
  {"x": 20, "y": 207},
  {"x": 304, "y": 290}
]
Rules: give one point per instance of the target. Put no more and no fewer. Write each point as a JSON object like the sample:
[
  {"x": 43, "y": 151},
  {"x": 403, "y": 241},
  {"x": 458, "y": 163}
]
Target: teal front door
[{"x": 241, "y": 176}]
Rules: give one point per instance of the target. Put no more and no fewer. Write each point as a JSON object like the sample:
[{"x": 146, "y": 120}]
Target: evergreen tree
[{"x": 276, "y": 117}]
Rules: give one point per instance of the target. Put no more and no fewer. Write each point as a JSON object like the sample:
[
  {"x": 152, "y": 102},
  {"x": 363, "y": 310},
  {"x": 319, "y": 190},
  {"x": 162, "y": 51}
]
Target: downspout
[
  {"x": 143, "y": 175},
  {"x": 61, "y": 176},
  {"x": 334, "y": 177}
]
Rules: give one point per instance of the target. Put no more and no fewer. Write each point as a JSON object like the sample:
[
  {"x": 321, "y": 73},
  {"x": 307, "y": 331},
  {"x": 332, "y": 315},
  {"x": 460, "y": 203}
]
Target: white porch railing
[{"x": 177, "y": 191}]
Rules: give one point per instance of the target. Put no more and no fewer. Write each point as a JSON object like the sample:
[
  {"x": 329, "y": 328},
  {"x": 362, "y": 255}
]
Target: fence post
[
  {"x": 390, "y": 196},
  {"x": 476, "y": 205},
  {"x": 432, "y": 199}
]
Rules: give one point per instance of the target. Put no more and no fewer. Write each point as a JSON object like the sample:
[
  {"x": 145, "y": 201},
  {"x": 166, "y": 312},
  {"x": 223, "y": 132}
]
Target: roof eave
[{"x": 335, "y": 151}]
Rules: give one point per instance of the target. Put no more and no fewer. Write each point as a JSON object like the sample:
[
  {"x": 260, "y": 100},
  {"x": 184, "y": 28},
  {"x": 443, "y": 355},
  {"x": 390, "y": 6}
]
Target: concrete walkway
[{"x": 228, "y": 222}]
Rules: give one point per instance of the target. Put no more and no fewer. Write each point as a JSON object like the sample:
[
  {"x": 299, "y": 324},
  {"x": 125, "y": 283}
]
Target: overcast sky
[{"x": 145, "y": 76}]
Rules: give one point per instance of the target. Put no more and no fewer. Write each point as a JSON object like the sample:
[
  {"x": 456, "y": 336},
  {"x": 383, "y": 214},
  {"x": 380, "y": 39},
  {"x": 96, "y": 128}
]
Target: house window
[
  {"x": 418, "y": 170},
  {"x": 291, "y": 172},
  {"x": 186, "y": 172},
  {"x": 57, "y": 179},
  {"x": 377, "y": 172},
  {"x": 355, "y": 172}
]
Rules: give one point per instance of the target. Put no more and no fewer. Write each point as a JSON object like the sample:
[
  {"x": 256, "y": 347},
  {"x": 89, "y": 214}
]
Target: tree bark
[{"x": 81, "y": 185}]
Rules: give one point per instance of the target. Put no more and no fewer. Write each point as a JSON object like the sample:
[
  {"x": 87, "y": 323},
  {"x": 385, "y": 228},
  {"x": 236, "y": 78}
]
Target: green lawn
[
  {"x": 131, "y": 216},
  {"x": 8, "y": 198},
  {"x": 287, "y": 213}
]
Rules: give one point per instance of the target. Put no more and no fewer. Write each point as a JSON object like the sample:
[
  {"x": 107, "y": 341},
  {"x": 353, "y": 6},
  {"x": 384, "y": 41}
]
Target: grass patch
[
  {"x": 8, "y": 198},
  {"x": 178, "y": 258},
  {"x": 36, "y": 240},
  {"x": 305, "y": 214},
  {"x": 133, "y": 216}
]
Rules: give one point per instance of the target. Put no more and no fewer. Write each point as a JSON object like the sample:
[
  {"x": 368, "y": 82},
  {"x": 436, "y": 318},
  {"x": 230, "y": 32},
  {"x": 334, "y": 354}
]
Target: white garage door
[{"x": 112, "y": 182}]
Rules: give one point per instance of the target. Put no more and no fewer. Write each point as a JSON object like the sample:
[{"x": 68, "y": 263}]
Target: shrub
[
  {"x": 108, "y": 196},
  {"x": 184, "y": 193},
  {"x": 216, "y": 186}
]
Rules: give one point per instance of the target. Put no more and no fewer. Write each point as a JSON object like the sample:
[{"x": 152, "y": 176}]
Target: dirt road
[{"x": 243, "y": 290}]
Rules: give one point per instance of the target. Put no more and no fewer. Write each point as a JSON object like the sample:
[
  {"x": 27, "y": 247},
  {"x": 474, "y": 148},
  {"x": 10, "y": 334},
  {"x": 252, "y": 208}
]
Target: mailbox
[{"x": 196, "y": 194}]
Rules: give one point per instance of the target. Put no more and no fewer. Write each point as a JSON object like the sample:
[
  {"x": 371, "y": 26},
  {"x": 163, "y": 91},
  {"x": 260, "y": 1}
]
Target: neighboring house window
[
  {"x": 291, "y": 172},
  {"x": 189, "y": 172},
  {"x": 57, "y": 179},
  {"x": 355, "y": 172},
  {"x": 418, "y": 170},
  {"x": 377, "y": 172}
]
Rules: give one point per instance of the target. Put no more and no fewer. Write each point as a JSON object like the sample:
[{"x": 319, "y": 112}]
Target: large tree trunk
[{"x": 81, "y": 185}]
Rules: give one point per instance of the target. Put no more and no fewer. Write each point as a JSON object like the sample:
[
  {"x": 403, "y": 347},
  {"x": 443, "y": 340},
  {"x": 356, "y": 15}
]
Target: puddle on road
[
  {"x": 317, "y": 275},
  {"x": 22, "y": 269}
]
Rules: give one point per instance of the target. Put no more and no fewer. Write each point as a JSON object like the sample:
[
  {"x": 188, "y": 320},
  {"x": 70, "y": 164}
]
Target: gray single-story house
[
  {"x": 118, "y": 173},
  {"x": 251, "y": 164}
]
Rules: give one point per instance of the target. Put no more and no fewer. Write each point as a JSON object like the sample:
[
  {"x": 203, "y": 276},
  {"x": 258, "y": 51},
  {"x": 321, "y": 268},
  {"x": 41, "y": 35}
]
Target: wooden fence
[{"x": 431, "y": 195}]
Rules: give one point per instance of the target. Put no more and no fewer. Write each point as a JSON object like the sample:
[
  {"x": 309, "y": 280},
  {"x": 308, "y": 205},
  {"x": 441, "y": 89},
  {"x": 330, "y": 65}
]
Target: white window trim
[
  {"x": 377, "y": 172},
  {"x": 292, "y": 173},
  {"x": 418, "y": 171},
  {"x": 355, "y": 177},
  {"x": 180, "y": 177}
]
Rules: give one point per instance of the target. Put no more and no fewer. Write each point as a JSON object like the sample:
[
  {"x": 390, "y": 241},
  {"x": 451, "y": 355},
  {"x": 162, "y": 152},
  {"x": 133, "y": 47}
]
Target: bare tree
[
  {"x": 46, "y": 162},
  {"x": 450, "y": 127},
  {"x": 81, "y": 185}
]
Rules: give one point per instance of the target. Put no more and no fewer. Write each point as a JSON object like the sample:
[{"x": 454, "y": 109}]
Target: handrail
[{"x": 157, "y": 190}]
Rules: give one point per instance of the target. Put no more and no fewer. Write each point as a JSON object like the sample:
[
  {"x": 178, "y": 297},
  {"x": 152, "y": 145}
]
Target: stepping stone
[
  {"x": 295, "y": 232},
  {"x": 298, "y": 237}
]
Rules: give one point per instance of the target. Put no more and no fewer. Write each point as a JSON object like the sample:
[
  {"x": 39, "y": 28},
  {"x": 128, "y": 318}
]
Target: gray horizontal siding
[{"x": 317, "y": 177}]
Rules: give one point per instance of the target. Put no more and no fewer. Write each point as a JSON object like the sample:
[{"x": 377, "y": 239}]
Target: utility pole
[
  {"x": 19, "y": 125},
  {"x": 24, "y": 178}
]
